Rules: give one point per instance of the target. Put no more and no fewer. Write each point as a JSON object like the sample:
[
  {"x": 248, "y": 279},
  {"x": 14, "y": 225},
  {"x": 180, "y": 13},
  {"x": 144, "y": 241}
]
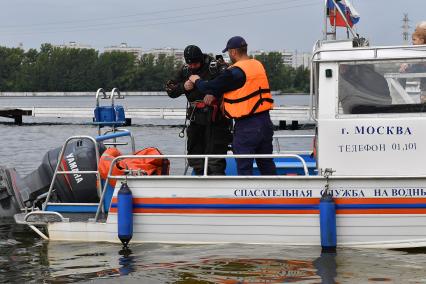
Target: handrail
[
  {"x": 375, "y": 50},
  {"x": 205, "y": 157},
  {"x": 119, "y": 96},
  {"x": 313, "y": 83},
  {"x": 117, "y": 130},
  {"x": 112, "y": 135},
  {"x": 311, "y": 91},
  {"x": 405, "y": 75},
  {"x": 97, "y": 95},
  {"x": 111, "y": 95},
  {"x": 44, "y": 213},
  {"x": 61, "y": 156},
  {"x": 294, "y": 135}
]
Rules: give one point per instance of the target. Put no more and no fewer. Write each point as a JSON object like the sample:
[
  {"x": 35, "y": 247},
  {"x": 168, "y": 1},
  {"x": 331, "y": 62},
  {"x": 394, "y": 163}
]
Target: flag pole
[
  {"x": 325, "y": 31},
  {"x": 344, "y": 18},
  {"x": 329, "y": 30}
]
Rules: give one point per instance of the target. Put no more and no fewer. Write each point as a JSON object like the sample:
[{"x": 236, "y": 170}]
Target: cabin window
[{"x": 382, "y": 87}]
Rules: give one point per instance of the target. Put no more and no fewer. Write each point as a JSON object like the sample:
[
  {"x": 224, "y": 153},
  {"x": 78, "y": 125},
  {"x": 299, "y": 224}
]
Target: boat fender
[
  {"x": 125, "y": 214},
  {"x": 327, "y": 208}
]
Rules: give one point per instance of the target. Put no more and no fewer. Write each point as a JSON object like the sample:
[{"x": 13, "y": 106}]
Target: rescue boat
[{"x": 364, "y": 187}]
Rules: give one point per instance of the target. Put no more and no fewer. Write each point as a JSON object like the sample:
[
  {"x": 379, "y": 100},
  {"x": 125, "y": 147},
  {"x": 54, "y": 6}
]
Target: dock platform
[
  {"x": 293, "y": 114},
  {"x": 15, "y": 113}
]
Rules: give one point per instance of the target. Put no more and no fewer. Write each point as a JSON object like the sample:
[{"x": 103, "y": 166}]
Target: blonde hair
[
  {"x": 420, "y": 33},
  {"x": 421, "y": 26}
]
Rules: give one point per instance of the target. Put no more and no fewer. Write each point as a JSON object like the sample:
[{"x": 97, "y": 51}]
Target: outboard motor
[
  {"x": 17, "y": 193},
  {"x": 10, "y": 201}
]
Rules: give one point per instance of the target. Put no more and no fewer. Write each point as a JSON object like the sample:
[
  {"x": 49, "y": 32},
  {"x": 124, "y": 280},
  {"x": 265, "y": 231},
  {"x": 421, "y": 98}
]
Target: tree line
[{"x": 57, "y": 69}]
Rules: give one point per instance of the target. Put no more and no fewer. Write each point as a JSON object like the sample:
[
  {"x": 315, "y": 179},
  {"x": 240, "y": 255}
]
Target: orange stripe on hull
[
  {"x": 217, "y": 211},
  {"x": 213, "y": 200},
  {"x": 372, "y": 200},
  {"x": 272, "y": 201},
  {"x": 302, "y": 212},
  {"x": 253, "y": 200},
  {"x": 381, "y": 211}
]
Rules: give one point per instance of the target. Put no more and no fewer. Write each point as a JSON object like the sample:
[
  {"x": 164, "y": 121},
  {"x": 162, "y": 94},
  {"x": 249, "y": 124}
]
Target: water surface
[{"x": 24, "y": 257}]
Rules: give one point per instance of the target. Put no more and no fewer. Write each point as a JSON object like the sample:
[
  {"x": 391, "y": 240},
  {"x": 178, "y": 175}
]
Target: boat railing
[
  {"x": 377, "y": 53},
  {"x": 388, "y": 53},
  {"x": 108, "y": 115},
  {"x": 101, "y": 94},
  {"x": 279, "y": 137},
  {"x": 205, "y": 157},
  {"x": 115, "y": 93},
  {"x": 401, "y": 94},
  {"x": 126, "y": 132},
  {"x": 43, "y": 213},
  {"x": 95, "y": 141},
  {"x": 58, "y": 164}
]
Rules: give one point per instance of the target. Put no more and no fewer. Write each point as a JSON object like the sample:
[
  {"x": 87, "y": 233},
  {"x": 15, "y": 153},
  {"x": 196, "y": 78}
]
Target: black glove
[{"x": 171, "y": 85}]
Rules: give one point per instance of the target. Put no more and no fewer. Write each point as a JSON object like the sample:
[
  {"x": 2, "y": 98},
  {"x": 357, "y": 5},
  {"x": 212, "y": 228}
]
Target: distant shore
[{"x": 89, "y": 94}]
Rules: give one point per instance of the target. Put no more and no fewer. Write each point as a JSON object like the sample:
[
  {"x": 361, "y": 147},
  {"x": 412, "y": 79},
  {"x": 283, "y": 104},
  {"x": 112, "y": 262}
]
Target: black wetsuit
[{"x": 208, "y": 131}]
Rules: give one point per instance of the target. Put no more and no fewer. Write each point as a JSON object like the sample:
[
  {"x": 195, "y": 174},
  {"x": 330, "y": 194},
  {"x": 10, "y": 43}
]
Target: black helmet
[{"x": 193, "y": 54}]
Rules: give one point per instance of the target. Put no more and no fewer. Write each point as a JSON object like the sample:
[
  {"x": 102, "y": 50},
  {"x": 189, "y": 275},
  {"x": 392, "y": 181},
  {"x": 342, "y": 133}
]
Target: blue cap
[{"x": 235, "y": 42}]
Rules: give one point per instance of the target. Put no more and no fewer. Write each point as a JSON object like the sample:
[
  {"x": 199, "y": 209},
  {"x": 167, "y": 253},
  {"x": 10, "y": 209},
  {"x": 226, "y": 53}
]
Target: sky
[{"x": 265, "y": 24}]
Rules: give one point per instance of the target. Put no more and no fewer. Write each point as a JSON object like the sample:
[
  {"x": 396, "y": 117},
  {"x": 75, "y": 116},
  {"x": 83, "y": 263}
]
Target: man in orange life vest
[{"x": 247, "y": 99}]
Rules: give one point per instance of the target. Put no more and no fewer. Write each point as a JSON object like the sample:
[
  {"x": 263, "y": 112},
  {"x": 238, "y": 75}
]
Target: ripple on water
[{"x": 26, "y": 258}]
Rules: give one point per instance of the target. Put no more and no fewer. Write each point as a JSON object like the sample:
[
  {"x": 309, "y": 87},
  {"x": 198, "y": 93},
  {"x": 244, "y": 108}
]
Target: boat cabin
[{"x": 370, "y": 107}]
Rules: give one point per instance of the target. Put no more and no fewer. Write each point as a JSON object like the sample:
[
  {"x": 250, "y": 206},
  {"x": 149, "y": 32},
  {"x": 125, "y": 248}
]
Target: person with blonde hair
[
  {"x": 419, "y": 36},
  {"x": 421, "y": 26}
]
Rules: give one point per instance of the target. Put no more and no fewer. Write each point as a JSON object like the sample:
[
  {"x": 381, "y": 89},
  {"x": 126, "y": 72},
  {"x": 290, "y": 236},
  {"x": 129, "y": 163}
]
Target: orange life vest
[
  {"x": 105, "y": 163},
  {"x": 254, "y": 97},
  {"x": 149, "y": 166},
  {"x": 314, "y": 148}
]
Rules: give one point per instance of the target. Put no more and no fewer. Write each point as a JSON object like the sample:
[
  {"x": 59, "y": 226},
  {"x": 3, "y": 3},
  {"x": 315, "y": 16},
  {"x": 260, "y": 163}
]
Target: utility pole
[{"x": 405, "y": 28}]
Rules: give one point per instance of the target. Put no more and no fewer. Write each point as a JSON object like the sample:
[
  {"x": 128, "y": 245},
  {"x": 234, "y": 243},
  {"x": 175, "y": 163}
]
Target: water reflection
[
  {"x": 26, "y": 258},
  {"x": 157, "y": 263},
  {"x": 126, "y": 261},
  {"x": 326, "y": 267},
  {"x": 161, "y": 263},
  {"x": 70, "y": 262}
]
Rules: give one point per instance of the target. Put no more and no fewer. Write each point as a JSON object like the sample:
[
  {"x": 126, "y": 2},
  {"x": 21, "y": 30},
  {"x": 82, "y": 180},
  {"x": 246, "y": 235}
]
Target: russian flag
[{"x": 347, "y": 9}]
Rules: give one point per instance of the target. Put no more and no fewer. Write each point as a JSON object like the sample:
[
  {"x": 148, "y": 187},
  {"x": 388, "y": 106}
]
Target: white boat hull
[{"x": 371, "y": 212}]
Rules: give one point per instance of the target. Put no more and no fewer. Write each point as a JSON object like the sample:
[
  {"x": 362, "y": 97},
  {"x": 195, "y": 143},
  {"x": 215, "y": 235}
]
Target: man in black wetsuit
[{"x": 208, "y": 131}]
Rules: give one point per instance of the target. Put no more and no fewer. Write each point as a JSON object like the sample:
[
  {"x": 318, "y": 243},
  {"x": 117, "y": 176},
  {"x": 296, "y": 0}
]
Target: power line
[
  {"x": 204, "y": 18},
  {"x": 152, "y": 13},
  {"x": 124, "y": 16},
  {"x": 113, "y": 23}
]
